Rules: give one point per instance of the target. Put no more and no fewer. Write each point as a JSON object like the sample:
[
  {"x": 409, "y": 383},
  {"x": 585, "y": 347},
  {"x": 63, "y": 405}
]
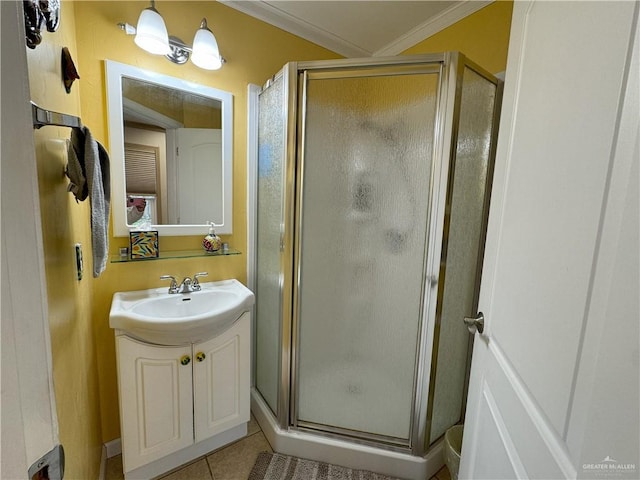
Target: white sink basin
[{"x": 157, "y": 316}]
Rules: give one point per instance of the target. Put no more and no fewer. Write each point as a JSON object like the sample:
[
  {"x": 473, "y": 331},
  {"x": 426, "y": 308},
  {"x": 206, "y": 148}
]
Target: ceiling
[{"x": 360, "y": 28}]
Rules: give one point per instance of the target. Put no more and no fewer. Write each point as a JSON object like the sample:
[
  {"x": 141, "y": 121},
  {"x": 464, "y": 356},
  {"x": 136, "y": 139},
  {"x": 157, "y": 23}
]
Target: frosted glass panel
[
  {"x": 367, "y": 163},
  {"x": 271, "y": 155},
  {"x": 464, "y": 239}
]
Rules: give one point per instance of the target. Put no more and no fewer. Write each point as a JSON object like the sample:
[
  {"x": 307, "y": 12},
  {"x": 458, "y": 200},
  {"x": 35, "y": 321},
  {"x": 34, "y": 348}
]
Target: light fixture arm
[
  {"x": 175, "y": 43},
  {"x": 127, "y": 28},
  {"x": 152, "y": 36}
]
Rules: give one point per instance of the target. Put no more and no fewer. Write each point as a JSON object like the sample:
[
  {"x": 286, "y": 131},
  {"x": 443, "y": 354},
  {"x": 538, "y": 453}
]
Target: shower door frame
[
  {"x": 446, "y": 66},
  {"x": 457, "y": 68},
  {"x": 290, "y": 72}
]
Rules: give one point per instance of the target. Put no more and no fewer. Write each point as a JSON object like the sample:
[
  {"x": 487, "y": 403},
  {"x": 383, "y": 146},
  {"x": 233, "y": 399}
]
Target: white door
[
  {"x": 199, "y": 176},
  {"x": 29, "y": 420},
  {"x": 554, "y": 382},
  {"x": 156, "y": 400},
  {"x": 221, "y": 381}
]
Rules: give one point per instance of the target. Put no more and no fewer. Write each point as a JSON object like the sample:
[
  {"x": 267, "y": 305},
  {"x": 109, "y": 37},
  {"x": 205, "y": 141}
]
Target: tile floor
[{"x": 233, "y": 462}]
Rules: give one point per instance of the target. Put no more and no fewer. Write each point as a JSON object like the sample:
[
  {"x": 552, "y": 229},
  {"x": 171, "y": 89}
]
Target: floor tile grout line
[
  {"x": 206, "y": 456},
  {"x": 206, "y": 459}
]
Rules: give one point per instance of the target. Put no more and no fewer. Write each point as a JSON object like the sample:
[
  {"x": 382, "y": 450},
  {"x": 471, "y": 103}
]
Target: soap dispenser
[{"x": 212, "y": 242}]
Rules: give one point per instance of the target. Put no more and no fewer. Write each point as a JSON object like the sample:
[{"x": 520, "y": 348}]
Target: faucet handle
[
  {"x": 173, "y": 288},
  {"x": 196, "y": 284}
]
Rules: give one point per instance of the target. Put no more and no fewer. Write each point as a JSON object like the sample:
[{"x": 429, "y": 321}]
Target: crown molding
[
  {"x": 278, "y": 18},
  {"x": 281, "y": 19},
  {"x": 432, "y": 26}
]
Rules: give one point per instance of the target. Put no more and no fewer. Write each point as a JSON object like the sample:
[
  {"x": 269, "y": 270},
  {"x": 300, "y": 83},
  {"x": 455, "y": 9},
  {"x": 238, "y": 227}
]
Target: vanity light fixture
[
  {"x": 205, "y": 52},
  {"x": 151, "y": 32},
  {"x": 151, "y": 35}
]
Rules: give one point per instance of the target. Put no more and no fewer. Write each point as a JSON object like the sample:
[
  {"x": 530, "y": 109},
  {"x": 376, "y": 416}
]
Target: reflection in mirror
[
  {"x": 171, "y": 153},
  {"x": 169, "y": 179}
]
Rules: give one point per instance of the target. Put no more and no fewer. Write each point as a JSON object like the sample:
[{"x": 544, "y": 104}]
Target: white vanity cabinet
[
  {"x": 156, "y": 398},
  {"x": 221, "y": 381},
  {"x": 181, "y": 402}
]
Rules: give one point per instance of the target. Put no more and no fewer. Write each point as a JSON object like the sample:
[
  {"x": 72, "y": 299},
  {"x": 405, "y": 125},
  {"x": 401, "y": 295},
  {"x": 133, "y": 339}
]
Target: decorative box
[{"x": 144, "y": 244}]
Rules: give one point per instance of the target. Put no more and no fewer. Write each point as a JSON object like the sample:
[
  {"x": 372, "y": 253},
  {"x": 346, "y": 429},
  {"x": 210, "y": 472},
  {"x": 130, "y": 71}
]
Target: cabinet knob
[
  {"x": 200, "y": 356},
  {"x": 185, "y": 360}
]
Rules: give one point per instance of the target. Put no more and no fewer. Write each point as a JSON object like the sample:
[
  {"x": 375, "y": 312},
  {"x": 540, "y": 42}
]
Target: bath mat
[{"x": 275, "y": 466}]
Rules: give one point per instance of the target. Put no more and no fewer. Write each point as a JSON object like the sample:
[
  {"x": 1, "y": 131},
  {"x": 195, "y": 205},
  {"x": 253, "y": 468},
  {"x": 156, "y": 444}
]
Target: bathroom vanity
[{"x": 184, "y": 398}]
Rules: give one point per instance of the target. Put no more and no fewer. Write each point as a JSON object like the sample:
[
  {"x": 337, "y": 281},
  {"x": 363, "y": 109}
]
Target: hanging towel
[{"x": 88, "y": 170}]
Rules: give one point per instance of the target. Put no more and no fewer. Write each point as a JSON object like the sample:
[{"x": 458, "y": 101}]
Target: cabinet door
[
  {"x": 221, "y": 381},
  {"x": 156, "y": 401}
]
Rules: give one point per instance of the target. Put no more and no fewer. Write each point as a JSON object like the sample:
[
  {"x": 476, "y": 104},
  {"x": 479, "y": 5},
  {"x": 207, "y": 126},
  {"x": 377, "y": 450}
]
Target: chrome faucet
[
  {"x": 187, "y": 286},
  {"x": 173, "y": 288},
  {"x": 196, "y": 284}
]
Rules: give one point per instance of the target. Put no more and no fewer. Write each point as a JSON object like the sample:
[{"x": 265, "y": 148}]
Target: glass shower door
[
  {"x": 363, "y": 194},
  {"x": 270, "y": 193},
  {"x": 467, "y": 210}
]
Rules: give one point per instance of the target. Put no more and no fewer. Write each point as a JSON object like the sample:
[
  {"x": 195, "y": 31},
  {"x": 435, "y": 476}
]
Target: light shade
[
  {"x": 151, "y": 32},
  {"x": 205, "y": 49}
]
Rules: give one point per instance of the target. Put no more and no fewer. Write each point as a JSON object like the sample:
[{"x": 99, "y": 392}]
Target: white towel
[{"x": 88, "y": 170}]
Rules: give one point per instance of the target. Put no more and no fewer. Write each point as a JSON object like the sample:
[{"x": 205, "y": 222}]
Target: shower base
[{"x": 342, "y": 452}]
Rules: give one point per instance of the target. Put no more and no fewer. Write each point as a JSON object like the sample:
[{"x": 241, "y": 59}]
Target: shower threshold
[{"x": 305, "y": 444}]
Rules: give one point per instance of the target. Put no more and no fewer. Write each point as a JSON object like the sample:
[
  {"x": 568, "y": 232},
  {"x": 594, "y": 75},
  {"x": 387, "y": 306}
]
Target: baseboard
[
  {"x": 109, "y": 450},
  {"x": 103, "y": 464},
  {"x": 113, "y": 448}
]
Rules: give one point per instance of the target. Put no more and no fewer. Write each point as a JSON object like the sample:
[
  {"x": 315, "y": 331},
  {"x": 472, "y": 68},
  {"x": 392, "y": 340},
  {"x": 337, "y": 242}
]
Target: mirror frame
[{"x": 115, "y": 71}]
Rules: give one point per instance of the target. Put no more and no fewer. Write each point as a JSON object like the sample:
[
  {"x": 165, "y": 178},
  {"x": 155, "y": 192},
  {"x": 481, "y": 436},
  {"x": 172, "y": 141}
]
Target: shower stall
[{"x": 373, "y": 186}]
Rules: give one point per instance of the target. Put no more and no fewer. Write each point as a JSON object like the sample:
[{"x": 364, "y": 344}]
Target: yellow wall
[
  {"x": 254, "y": 51},
  {"x": 483, "y": 37},
  {"x": 82, "y": 343},
  {"x": 64, "y": 222}
]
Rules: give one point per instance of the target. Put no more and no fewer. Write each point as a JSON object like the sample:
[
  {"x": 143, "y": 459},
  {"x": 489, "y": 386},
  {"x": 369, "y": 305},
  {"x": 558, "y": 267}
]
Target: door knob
[
  {"x": 475, "y": 323},
  {"x": 185, "y": 360},
  {"x": 200, "y": 356}
]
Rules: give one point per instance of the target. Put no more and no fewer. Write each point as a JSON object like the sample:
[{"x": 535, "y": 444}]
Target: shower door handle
[
  {"x": 475, "y": 323},
  {"x": 281, "y": 237}
]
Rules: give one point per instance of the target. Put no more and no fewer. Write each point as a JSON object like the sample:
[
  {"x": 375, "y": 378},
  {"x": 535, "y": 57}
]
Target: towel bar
[{"x": 42, "y": 117}]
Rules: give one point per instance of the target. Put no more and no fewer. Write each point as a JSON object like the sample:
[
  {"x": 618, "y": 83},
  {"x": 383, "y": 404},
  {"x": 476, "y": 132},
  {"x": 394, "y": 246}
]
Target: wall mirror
[{"x": 171, "y": 153}]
